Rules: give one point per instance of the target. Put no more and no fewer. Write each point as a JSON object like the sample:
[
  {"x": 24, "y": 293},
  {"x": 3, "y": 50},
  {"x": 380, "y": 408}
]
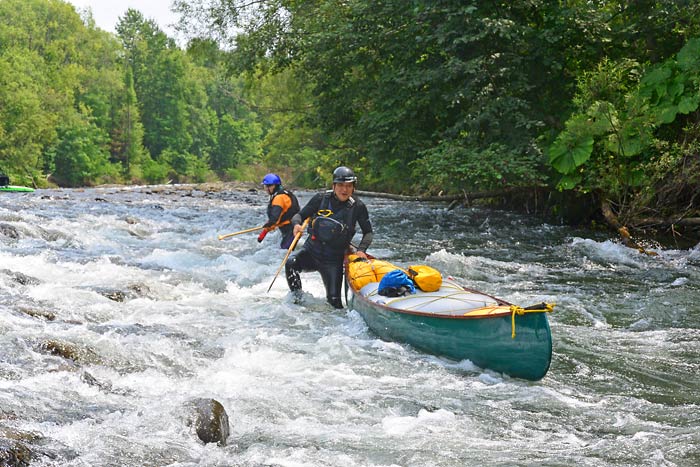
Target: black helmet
[{"x": 344, "y": 175}]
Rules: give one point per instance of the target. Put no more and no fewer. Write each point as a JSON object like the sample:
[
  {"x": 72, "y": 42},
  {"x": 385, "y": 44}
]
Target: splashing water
[{"x": 159, "y": 312}]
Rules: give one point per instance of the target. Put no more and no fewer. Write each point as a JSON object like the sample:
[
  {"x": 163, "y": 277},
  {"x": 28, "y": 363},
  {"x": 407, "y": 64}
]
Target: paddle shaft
[
  {"x": 289, "y": 251},
  {"x": 221, "y": 237}
]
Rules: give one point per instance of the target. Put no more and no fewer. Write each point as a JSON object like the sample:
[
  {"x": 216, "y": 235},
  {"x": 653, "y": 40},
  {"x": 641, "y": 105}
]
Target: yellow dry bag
[
  {"x": 426, "y": 278},
  {"x": 362, "y": 272}
]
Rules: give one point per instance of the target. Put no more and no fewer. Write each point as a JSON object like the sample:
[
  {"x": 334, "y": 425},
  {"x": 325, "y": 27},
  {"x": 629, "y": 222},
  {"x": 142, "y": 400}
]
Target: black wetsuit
[{"x": 331, "y": 229}]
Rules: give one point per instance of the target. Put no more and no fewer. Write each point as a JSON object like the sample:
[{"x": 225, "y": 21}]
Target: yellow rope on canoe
[{"x": 514, "y": 309}]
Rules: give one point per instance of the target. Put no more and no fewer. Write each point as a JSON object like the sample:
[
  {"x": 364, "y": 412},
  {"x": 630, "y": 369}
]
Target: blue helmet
[{"x": 272, "y": 179}]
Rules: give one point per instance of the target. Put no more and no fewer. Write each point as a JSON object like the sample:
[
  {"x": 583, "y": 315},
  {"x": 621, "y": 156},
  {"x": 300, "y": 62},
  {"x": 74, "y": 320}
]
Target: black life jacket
[
  {"x": 333, "y": 229},
  {"x": 287, "y": 215}
]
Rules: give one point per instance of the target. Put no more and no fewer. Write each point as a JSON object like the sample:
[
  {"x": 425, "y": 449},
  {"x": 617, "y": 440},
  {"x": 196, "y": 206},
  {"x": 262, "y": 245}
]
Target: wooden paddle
[
  {"x": 289, "y": 251},
  {"x": 221, "y": 237}
]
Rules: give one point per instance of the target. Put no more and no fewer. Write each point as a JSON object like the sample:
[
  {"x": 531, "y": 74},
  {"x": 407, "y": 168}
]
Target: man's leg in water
[
  {"x": 332, "y": 275},
  {"x": 301, "y": 261}
]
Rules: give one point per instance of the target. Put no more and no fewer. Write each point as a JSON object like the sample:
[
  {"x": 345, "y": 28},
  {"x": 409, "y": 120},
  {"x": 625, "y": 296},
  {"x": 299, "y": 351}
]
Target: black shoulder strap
[{"x": 326, "y": 200}]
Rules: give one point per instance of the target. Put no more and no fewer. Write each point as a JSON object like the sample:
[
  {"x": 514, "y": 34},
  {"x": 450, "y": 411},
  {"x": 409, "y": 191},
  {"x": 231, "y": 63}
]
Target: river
[{"x": 164, "y": 313}]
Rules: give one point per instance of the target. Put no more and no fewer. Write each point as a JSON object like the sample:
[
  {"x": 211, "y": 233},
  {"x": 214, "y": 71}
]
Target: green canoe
[
  {"x": 14, "y": 188},
  {"x": 460, "y": 324}
]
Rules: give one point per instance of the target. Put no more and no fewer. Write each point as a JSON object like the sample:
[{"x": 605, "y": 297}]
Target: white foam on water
[
  {"x": 680, "y": 282},
  {"x": 609, "y": 252},
  {"x": 304, "y": 384},
  {"x": 433, "y": 422}
]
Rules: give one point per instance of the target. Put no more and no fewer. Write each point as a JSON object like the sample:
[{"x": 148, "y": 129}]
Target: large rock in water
[
  {"x": 210, "y": 421},
  {"x": 14, "y": 454},
  {"x": 13, "y": 450}
]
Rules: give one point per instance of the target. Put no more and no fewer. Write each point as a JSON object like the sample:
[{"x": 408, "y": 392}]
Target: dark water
[{"x": 163, "y": 312}]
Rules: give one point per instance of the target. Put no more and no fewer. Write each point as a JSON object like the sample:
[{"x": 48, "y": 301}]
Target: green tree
[
  {"x": 55, "y": 70},
  {"x": 26, "y": 126},
  {"x": 230, "y": 127},
  {"x": 465, "y": 93},
  {"x": 127, "y": 132},
  {"x": 79, "y": 157}
]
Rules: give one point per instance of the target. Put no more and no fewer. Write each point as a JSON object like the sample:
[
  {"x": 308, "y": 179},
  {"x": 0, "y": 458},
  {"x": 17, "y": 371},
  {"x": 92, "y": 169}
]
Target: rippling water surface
[{"x": 160, "y": 312}]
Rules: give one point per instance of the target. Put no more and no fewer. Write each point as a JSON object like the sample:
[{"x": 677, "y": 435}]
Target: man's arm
[
  {"x": 274, "y": 217},
  {"x": 365, "y": 226}
]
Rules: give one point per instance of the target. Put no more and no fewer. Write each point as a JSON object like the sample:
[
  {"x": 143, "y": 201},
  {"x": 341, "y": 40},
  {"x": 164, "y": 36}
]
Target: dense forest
[{"x": 595, "y": 102}]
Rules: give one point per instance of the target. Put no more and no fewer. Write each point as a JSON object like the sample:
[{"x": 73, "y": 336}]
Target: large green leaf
[
  {"x": 667, "y": 115},
  {"x": 689, "y": 56},
  {"x": 625, "y": 145},
  {"x": 676, "y": 87},
  {"x": 654, "y": 85},
  {"x": 630, "y": 140},
  {"x": 688, "y": 104},
  {"x": 657, "y": 76},
  {"x": 570, "y": 151},
  {"x": 569, "y": 182}
]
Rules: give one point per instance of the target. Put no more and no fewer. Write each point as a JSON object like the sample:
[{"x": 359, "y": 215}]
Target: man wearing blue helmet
[
  {"x": 334, "y": 215},
  {"x": 280, "y": 209}
]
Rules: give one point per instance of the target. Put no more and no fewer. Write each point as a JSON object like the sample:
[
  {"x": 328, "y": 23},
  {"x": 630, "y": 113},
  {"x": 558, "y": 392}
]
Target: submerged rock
[
  {"x": 210, "y": 420},
  {"x": 14, "y": 451},
  {"x": 87, "y": 378},
  {"x": 9, "y": 231},
  {"x": 20, "y": 278},
  {"x": 74, "y": 352},
  {"x": 37, "y": 313},
  {"x": 113, "y": 294},
  {"x": 14, "y": 454},
  {"x": 140, "y": 289}
]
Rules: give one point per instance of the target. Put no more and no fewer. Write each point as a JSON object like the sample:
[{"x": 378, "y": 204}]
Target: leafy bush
[
  {"x": 615, "y": 141},
  {"x": 79, "y": 156}
]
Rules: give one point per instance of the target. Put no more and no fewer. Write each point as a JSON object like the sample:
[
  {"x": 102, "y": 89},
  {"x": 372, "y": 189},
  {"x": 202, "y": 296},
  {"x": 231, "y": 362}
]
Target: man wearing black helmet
[
  {"x": 282, "y": 206},
  {"x": 334, "y": 215}
]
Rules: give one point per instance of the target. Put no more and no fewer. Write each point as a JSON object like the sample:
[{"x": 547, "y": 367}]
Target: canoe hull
[{"x": 485, "y": 341}]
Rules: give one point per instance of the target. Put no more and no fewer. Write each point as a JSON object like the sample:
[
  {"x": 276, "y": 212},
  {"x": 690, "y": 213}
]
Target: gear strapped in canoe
[{"x": 448, "y": 298}]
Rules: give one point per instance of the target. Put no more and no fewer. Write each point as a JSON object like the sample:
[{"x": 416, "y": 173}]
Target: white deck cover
[{"x": 451, "y": 299}]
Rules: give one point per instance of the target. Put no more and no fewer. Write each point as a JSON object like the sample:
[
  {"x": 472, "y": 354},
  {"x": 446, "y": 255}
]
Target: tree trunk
[{"x": 613, "y": 221}]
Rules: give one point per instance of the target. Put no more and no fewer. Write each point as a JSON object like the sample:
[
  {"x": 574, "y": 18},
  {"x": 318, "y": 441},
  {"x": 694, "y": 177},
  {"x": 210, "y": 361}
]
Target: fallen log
[
  {"x": 614, "y": 222},
  {"x": 465, "y": 197}
]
